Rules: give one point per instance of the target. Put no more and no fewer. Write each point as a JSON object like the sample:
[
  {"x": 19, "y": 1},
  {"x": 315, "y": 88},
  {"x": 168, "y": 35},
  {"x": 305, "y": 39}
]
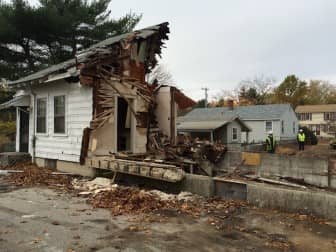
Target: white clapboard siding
[{"x": 66, "y": 147}]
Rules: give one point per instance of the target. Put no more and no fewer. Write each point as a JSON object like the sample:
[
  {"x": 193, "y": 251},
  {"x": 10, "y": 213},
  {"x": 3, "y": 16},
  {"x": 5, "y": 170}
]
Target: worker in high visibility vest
[
  {"x": 301, "y": 137},
  {"x": 270, "y": 143}
]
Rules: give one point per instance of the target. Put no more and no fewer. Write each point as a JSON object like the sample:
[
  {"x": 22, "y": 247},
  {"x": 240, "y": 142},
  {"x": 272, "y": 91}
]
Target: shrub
[{"x": 7, "y": 128}]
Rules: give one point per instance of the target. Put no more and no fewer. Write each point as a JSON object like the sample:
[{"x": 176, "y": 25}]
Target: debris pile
[
  {"x": 127, "y": 200},
  {"x": 187, "y": 148},
  {"x": 186, "y": 154},
  {"x": 197, "y": 150},
  {"x": 183, "y": 196},
  {"x": 31, "y": 175},
  {"x": 95, "y": 186},
  {"x": 131, "y": 200}
]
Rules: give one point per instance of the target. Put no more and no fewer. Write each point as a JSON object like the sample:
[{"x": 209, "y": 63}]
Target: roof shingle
[{"x": 257, "y": 112}]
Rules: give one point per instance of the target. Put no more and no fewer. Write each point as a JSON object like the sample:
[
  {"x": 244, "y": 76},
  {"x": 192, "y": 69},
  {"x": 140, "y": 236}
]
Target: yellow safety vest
[
  {"x": 301, "y": 137},
  {"x": 270, "y": 145}
]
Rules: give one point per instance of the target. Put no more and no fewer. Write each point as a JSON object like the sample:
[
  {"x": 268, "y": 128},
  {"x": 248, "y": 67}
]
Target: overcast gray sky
[{"x": 217, "y": 43}]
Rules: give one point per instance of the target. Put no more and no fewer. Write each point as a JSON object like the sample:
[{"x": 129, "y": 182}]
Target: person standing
[
  {"x": 270, "y": 143},
  {"x": 301, "y": 137}
]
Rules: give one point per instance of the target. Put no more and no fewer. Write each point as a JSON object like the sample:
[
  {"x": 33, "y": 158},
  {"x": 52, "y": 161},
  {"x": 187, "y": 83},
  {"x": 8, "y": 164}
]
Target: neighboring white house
[
  {"x": 321, "y": 119},
  {"x": 260, "y": 119}
]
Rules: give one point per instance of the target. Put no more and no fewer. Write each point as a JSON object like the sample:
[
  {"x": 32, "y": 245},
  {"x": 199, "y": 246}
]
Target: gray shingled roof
[
  {"x": 200, "y": 125},
  {"x": 257, "y": 112},
  {"x": 45, "y": 72},
  {"x": 212, "y": 121}
]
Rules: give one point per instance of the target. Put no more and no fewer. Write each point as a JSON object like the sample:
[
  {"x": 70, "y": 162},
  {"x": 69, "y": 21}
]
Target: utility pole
[{"x": 206, "y": 96}]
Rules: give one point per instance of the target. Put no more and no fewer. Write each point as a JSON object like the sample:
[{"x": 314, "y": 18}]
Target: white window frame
[
  {"x": 65, "y": 115},
  {"x": 267, "y": 130},
  {"x": 47, "y": 113},
  {"x": 235, "y": 139}
]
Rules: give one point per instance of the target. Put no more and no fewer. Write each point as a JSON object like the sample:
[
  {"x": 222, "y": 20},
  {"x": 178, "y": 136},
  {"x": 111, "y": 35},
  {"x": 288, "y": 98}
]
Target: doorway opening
[
  {"x": 124, "y": 126},
  {"x": 24, "y": 129}
]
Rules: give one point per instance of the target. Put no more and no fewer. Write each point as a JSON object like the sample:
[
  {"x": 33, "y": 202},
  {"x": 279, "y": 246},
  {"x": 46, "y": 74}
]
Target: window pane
[
  {"x": 268, "y": 126},
  {"x": 234, "y": 134},
  {"x": 59, "y": 105},
  {"x": 59, "y": 124},
  {"x": 41, "y": 125},
  {"x": 59, "y": 114},
  {"x": 41, "y": 113}
]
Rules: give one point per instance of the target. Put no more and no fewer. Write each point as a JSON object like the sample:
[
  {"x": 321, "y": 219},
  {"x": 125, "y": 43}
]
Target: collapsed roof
[{"x": 155, "y": 35}]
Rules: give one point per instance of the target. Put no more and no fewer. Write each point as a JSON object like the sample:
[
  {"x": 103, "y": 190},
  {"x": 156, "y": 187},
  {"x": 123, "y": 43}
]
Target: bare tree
[
  {"x": 161, "y": 75},
  {"x": 249, "y": 91},
  {"x": 260, "y": 83}
]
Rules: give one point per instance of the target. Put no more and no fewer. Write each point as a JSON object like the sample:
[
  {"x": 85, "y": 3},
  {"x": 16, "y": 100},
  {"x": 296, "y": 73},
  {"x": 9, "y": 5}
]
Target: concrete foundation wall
[
  {"x": 231, "y": 160},
  {"x": 230, "y": 189},
  {"x": 313, "y": 171},
  {"x": 40, "y": 162},
  {"x": 75, "y": 168},
  {"x": 70, "y": 167},
  {"x": 321, "y": 204},
  {"x": 197, "y": 184},
  {"x": 318, "y": 203}
]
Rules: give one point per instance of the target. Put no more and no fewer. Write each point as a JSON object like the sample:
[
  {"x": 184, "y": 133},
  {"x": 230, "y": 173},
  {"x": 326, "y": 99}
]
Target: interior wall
[
  {"x": 103, "y": 141},
  {"x": 163, "y": 110}
]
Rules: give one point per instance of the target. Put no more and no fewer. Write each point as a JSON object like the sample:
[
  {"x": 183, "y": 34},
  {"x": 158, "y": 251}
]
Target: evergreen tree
[{"x": 34, "y": 37}]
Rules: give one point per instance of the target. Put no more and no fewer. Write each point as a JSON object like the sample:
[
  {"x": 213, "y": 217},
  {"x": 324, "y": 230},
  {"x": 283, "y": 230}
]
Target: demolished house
[{"x": 98, "y": 111}]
